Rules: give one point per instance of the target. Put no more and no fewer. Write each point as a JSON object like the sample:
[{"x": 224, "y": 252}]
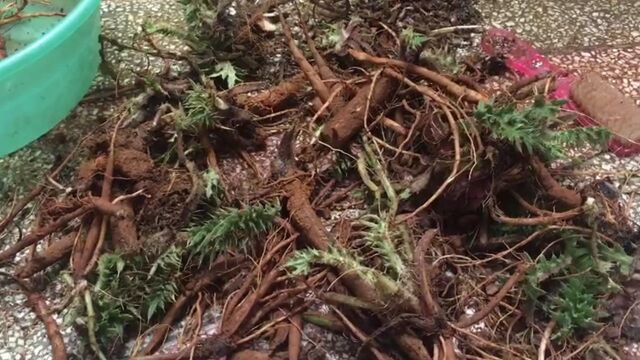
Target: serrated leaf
[
  {"x": 229, "y": 229},
  {"x": 616, "y": 255},
  {"x": 227, "y": 72},
  {"x": 529, "y": 129},
  {"x": 412, "y": 39}
]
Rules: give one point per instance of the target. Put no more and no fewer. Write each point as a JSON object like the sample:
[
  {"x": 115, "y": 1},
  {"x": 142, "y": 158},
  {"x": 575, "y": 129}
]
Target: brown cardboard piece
[{"x": 607, "y": 106}]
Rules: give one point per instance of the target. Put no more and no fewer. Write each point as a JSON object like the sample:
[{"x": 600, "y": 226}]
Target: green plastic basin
[{"x": 51, "y": 65}]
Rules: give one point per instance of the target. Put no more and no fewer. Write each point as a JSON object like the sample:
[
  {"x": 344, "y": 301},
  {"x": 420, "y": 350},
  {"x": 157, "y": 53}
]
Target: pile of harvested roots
[{"x": 376, "y": 192}]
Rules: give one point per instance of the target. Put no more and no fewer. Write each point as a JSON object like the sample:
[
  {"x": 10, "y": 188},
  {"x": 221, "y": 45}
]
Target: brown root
[
  {"x": 316, "y": 82},
  {"x": 360, "y": 335},
  {"x": 325, "y": 321},
  {"x": 106, "y": 207},
  {"x": 57, "y": 251},
  {"x": 448, "y": 85},
  {"x": 37, "y": 302},
  {"x": 97, "y": 231},
  {"x": 430, "y": 304},
  {"x": 16, "y": 209},
  {"x": 295, "y": 337},
  {"x": 237, "y": 318},
  {"x": 196, "y": 285},
  {"x": 273, "y": 99},
  {"x": 567, "y": 197},
  {"x": 497, "y": 298},
  {"x": 349, "y": 120},
  {"x": 39, "y": 234},
  {"x": 304, "y": 218},
  {"x": 412, "y": 346},
  {"x": 540, "y": 220},
  {"x": 39, "y": 305},
  {"x": 124, "y": 231},
  {"x": 211, "y": 347},
  {"x": 3, "y": 49},
  {"x": 323, "y": 68}
]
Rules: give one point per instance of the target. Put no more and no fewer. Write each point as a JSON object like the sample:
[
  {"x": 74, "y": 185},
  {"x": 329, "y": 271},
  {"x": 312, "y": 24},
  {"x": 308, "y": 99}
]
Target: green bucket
[{"x": 51, "y": 65}]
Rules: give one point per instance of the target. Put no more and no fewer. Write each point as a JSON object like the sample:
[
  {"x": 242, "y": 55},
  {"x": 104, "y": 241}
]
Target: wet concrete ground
[
  {"x": 576, "y": 24},
  {"x": 582, "y": 35}
]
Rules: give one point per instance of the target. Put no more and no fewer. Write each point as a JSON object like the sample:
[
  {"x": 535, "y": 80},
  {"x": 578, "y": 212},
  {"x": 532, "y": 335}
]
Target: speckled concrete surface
[
  {"x": 122, "y": 21},
  {"x": 22, "y": 335},
  {"x": 569, "y": 23},
  {"x": 620, "y": 65}
]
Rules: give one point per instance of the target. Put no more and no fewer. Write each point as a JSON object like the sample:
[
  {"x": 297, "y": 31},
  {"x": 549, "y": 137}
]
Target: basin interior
[{"x": 19, "y": 34}]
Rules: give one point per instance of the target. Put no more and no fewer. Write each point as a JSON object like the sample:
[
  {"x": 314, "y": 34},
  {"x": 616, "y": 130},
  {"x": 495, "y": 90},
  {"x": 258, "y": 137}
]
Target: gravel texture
[
  {"x": 570, "y": 23},
  {"x": 620, "y": 65}
]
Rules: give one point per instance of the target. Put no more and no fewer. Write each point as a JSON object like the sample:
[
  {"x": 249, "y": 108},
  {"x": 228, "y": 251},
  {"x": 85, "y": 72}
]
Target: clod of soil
[{"x": 168, "y": 191}]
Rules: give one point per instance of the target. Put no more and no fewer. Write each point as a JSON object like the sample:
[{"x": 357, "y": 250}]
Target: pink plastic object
[{"x": 524, "y": 60}]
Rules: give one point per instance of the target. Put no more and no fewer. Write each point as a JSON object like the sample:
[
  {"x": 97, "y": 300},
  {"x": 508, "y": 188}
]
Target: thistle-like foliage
[
  {"x": 579, "y": 136},
  {"x": 199, "y": 13},
  {"x": 575, "y": 307},
  {"x": 383, "y": 240},
  {"x": 343, "y": 166},
  {"x": 573, "y": 281},
  {"x": 161, "y": 289},
  {"x": 206, "y": 37},
  {"x": 544, "y": 269},
  {"x": 443, "y": 60},
  {"x": 200, "y": 35},
  {"x": 226, "y": 71},
  {"x": 412, "y": 39},
  {"x": 333, "y": 36},
  {"x": 229, "y": 229},
  {"x": 166, "y": 30},
  {"x": 113, "y": 316},
  {"x": 200, "y": 111},
  {"x": 129, "y": 291},
  {"x": 210, "y": 31},
  {"x": 111, "y": 300},
  {"x": 302, "y": 262},
  {"x": 109, "y": 268},
  {"x": 531, "y": 130},
  {"x": 614, "y": 259},
  {"x": 134, "y": 290}
]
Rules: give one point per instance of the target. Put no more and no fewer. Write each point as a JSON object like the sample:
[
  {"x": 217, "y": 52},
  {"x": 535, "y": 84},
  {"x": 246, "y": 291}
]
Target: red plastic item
[{"x": 524, "y": 60}]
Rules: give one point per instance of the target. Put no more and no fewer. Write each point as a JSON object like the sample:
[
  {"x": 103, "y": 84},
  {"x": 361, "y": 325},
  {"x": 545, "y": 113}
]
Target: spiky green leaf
[
  {"x": 412, "y": 39},
  {"x": 230, "y": 229},
  {"x": 531, "y": 130},
  {"x": 227, "y": 72}
]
